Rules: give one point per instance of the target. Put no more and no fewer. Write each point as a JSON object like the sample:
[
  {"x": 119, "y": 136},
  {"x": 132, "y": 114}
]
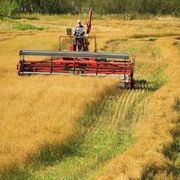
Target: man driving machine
[{"x": 79, "y": 36}]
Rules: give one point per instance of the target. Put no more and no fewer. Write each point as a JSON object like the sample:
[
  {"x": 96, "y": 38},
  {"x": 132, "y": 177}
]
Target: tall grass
[
  {"x": 104, "y": 131},
  {"x": 38, "y": 110},
  {"x": 171, "y": 169},
  {"x": 46, "y": 127}
]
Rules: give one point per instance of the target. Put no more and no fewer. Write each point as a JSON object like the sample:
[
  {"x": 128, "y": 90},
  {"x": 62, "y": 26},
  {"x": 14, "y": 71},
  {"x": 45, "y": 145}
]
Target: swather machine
[{"x": 79, "y": 61}]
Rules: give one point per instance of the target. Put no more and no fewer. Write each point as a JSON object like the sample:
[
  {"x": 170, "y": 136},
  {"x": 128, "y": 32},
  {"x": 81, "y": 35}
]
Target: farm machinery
[{"x": 79, "y": 61}]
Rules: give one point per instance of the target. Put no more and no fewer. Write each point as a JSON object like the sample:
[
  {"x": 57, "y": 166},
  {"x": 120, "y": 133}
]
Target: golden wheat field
[{"x": 83, "y": 127}]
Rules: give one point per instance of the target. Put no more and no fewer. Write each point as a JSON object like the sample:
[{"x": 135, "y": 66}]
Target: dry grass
[
  {"x": 38, "y": 110},
  {"x": 44, "y": 109}
]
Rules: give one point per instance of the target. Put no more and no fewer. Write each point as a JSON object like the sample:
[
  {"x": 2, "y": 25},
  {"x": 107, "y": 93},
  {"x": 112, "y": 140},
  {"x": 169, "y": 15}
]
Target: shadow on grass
[
  {"x": 15, "y": 173},
  {"x": 154, "y": 82},
  {"x": 144, "y": 84},
  {"x": 48, "y": 156}
]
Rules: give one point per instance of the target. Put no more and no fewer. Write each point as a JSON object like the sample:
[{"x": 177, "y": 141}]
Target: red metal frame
[{"x": 83, "y": 66}]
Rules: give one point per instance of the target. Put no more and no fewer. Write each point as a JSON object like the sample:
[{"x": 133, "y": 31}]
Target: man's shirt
[{"x": 79, "y": 31}]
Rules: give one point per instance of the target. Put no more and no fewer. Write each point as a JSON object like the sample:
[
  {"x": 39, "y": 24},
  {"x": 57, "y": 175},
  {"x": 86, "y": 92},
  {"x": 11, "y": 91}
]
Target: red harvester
[{"x": 79, "y": 61}]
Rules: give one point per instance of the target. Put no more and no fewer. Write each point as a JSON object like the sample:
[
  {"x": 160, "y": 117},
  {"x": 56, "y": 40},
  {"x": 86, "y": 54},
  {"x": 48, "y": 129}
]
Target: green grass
[
  {"x": 99, "y": 138},
  {"x": 158, "y": 78},
  {"x": 27, "y": 27}
]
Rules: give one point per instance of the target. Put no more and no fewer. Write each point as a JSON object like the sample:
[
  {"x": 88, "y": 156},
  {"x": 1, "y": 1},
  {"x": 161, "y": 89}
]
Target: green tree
[
  {"x": 102, "y": 7},
  {"x": 7, "y": 7}
]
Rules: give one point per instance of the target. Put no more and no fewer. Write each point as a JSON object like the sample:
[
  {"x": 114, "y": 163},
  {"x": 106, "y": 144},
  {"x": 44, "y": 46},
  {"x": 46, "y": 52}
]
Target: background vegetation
[{"x": 8, "y": 7}]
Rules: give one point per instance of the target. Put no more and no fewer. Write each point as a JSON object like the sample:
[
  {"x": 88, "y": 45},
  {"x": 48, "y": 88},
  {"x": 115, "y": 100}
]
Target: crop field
[{"x": 72, "y": 127}]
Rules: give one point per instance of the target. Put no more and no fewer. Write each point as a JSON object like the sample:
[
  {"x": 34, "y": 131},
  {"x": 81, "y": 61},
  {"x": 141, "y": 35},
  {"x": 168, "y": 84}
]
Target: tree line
[{"x": 8, "y": 7}]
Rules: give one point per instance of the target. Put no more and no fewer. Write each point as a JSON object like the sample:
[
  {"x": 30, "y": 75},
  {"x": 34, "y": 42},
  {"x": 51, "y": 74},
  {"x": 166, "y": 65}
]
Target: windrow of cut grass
[
  {"x": 101, "y": 134},
  {"x": 98, "y": 138}
]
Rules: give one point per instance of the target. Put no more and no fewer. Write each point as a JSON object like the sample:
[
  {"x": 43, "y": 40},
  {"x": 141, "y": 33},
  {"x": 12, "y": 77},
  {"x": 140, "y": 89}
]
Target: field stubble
[{"x": 41, "y": 110}]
